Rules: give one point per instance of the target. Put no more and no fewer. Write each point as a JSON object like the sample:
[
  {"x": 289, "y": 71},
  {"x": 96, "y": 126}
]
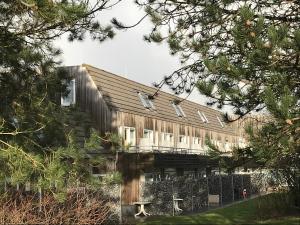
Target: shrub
[
  {"x": 78, "y": 208},
  {"x": 275, "y": 204}
]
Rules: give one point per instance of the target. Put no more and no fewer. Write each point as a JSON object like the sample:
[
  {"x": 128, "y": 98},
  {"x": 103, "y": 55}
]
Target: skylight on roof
[
  {"x": 178, "y": 110},
  {"x": 203, "y": 117},
  {"x": 147, "y": 103},
  {"x": 220, "y": 121}
]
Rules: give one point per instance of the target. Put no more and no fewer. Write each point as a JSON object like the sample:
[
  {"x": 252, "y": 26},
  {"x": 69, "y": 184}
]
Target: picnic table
[{"x": 142, "y": 208}]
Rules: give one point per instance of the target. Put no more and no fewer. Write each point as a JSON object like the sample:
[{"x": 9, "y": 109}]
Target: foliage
[
  {"x": 93, "y": 142},
  {"x": 58, "y": 170},
  {"x": 79, "y": 208},
  {"x": 244, "y": 54},
  {"x": 112, "y": 141},
  {"x": 276, "y": 205},
  {"x": 237, "y": 158},
  {"x": 30, "y": 83},
  {"x": 35, "y": 143}
]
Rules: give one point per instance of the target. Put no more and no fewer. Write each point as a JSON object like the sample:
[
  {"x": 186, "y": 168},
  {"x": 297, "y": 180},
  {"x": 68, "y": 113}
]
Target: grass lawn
[{"x": 265, "y": 210}]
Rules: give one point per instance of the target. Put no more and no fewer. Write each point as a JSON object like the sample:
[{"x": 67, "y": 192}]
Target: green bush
[{"x": 275, "y": 204}]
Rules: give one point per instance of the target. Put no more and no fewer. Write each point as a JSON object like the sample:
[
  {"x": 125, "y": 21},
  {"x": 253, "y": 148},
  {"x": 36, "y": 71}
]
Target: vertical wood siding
[
  {"x": 159, "y": 126},
  {"x": 131, "y": 166},
  {"x": 89, "y": 99},
  {"x": 108, "y": 112}
]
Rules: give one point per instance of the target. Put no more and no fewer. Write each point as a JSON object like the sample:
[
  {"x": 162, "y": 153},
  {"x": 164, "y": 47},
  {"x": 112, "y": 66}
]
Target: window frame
[
  {"x": 178, "y": 109},
  {"x": 221, "y": 122},
  {"x": 64, "y": 100},
  {"x": 196, "y": 138},
  {"x": 125, "y": 135},
  {"x": 151, "y": 134},
  {"x": 184, "y": 139},
  {"x": 146, "y": 102},
  {"x": 203, "y": 117},
  {"x": 171, "y": 137}
]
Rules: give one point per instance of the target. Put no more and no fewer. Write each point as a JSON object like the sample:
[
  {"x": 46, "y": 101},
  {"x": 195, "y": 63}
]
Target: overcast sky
[{"x": 127, "y": 54}]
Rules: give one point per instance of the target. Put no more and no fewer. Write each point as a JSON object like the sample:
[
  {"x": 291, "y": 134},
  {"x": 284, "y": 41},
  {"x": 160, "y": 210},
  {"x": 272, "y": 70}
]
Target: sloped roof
[{"x": 121, "y": 94}]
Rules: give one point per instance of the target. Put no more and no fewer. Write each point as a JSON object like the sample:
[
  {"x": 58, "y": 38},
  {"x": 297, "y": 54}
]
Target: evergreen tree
[
  {"x": 244, "y": 54},
  {"x": 34, "y": 145}
]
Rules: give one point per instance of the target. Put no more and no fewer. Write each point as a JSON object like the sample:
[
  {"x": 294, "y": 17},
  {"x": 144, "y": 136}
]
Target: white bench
[{"x": 176, "y": 205}]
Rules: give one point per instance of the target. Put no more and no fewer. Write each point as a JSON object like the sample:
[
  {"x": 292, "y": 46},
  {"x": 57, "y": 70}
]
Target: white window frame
[
  {"x": 150, "y": 134},
  {"x": 179, "y": 111},
  {"x": 203, "y": 117},
  {"x": 220, "y": 121},
  {"x": 184, "y": 139},
  {"x": 147, "y": 103},
  {"x": 169, "y": 137},
  {"x": 65, "y": 100},
  {"x": 130, "y": 141},
  {"x": 198, "y": 140}
]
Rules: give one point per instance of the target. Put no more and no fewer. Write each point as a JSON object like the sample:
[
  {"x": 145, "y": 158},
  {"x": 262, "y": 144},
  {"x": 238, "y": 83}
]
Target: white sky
[{"x": 127, "y": 54}]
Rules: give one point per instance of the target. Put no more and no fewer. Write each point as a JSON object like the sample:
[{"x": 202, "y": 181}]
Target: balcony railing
[{"x": 164, "y": 150}]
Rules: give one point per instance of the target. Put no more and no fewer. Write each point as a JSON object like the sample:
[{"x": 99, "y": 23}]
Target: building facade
[{"x": 163, "y": 135}]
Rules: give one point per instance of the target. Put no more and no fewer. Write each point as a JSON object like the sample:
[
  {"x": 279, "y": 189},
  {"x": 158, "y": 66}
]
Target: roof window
[
  {"x": 203, "y": 117},
  {"x": 178, "y": 110},
  {"x": 147, "y": 103},
  {"x": 220, "y": 121}
]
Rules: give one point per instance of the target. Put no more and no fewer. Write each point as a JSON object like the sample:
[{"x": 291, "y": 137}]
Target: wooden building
[{"x": 163, "y": 136}]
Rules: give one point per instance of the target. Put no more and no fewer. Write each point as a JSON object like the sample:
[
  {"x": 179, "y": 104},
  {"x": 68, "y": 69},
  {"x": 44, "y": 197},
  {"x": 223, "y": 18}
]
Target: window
[
  {"x": 129, "y": 135},
  {"x": 178, "y": 110},
  {"x": 148, "y": 134},
  {"x": 227, "y": 145},
  {"x": 220, "y": 121},
  {"x": 182, "y": 139},
  {"x": 203, "y": 117},
  {"x": 167, "y": 137},
  {"x": 147, "y": 103},
  {"x": 71, "y": 97},
  {"x": 196, "y": 140}
]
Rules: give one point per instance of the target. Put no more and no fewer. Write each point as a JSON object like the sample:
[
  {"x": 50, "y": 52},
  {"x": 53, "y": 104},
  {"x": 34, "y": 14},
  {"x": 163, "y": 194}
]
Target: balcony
[
  {"x": 227, "y": 147},
  {"x": 197, "y": 146},
  {"x": 242, "y": 145},
  {"x": 168, "y": 144},
  {"x": 145, "y": 144},
  {"x": 167, "y": 148},
  {"x": 182, "y": 145}
]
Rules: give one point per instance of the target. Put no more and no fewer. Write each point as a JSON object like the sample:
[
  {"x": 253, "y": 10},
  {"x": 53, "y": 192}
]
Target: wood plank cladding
[
  {"x": 113, "y": 101},
  {"x": 131, "y": 165},
  {"x": 120, "y": 94},
  {"x": 89, "y": 99},
  {"x": 159, "y": 126}
]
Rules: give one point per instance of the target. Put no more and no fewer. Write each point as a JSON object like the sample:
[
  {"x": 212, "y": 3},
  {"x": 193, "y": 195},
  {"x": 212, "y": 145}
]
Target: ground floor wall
[
  {"x": 159, "y": 178},
  {"x": 194, "y": 192}
]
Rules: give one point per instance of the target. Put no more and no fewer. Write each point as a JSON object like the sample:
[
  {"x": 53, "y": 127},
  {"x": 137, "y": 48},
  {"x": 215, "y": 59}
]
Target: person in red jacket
[{"x": 244, "y": 193}]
